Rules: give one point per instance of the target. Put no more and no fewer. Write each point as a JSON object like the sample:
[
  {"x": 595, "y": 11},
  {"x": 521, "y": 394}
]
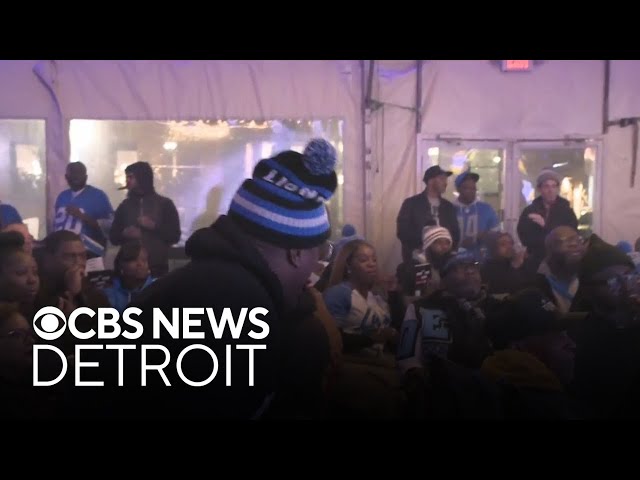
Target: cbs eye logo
[{"x": 52, "y": 323}]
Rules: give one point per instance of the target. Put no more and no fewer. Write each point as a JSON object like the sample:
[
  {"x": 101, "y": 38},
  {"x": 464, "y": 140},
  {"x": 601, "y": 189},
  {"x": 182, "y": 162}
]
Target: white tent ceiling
[{"x": 469, "y": 99}]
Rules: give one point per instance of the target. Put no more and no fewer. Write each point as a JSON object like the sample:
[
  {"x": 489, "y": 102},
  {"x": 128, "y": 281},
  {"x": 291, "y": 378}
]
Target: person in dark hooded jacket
[
  {"x": 148, "y": 217},
  {"x": 260, "y": 254},
  {"x": 545, "y": 213},
  {"x": 607, "y": 355}
]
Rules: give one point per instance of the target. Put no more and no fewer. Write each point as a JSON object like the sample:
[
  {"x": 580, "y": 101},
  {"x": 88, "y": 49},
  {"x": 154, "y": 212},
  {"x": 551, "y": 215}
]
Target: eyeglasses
[
  {"x": 466, "y": 267},
  {"x": 576, "y": 239}
]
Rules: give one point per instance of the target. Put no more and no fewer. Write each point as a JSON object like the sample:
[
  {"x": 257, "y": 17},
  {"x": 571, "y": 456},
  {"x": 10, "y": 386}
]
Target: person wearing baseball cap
[
  {"x": 545, "y": 213},
  {"x": 450, "y": 323},
  {"x": 426, "y": 209},
  {"x": 476, "y": 218}
]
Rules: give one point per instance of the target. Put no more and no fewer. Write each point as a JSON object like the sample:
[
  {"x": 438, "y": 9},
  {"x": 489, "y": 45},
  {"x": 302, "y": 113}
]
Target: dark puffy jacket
[{"x": 226, "y": 271}]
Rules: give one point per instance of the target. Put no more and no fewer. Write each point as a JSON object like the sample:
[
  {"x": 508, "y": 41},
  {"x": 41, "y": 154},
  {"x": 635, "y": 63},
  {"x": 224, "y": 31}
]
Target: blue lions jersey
[
  {"x": 91, "y": 201},
  {"x": 476, "y": 218}
]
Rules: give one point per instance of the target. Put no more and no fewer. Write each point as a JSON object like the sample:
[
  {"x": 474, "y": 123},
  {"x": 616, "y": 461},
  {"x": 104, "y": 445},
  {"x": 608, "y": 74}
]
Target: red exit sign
[{"x": 517, "y": 65}]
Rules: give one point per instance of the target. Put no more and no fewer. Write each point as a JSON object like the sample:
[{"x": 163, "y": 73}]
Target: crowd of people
[{"x": 472, "y": 324}]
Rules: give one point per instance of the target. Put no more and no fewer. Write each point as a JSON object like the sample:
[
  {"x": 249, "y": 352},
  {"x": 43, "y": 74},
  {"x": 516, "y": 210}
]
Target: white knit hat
[{"x": 432, "y": 233}]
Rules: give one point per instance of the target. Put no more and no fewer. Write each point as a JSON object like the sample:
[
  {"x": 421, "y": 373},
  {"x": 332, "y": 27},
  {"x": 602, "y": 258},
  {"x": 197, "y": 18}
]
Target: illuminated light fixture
[
  {"x": 248, "y": 160},
  {"x": 590, "y": 154},
  {"x": 266, "y": 150},
  {"x": 556, "y": 165},
  {"x": 250, "y": 125},
  {"x": 517, "y": 65},
  {"x": 521, "y": 167},
  {"x": 170, "y": 146},
  {"x": 82, "y": 134},
  {"x": 195, "y": 131},
  {"x": 497, "y": 159},
  {"x": 433, "y": 152}
]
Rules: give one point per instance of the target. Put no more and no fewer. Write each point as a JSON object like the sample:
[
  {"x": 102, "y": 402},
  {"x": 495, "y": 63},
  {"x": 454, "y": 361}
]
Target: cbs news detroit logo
[{"x": 50, "y": 324}]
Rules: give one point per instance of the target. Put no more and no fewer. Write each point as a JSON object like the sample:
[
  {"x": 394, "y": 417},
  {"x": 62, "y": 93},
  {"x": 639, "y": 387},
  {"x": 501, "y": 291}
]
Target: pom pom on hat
[
  {"x": 348, "y": 230},
  {"x": 283, "y": 203},
  {"x": 624, "y": 246},
  {"x": 320, "y": 157}
]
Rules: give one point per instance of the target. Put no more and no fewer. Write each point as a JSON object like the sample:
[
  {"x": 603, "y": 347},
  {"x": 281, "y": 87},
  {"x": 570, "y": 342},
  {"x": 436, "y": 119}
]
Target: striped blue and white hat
[{"x": 284, "y": 201}]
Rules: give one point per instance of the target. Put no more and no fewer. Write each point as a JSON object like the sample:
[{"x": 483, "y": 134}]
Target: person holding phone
[{"x": 421, "y": 276}]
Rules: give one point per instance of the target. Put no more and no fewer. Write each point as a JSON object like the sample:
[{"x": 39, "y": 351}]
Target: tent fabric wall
[
  {"x": 393, "y": 172},
  {"x": 473, "y": 100},
  {"x": 624, "y": 97},
  {"x": 21, "y": 95},
  {"x": 476, "y": 99},
  {"x": 190, "y": 90},
  {"x": 470, "y": 99},
  {"x": 57, "y": 135},
  {"x": 204, "y": 89},
  {"x": 620, "y": 202}
]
